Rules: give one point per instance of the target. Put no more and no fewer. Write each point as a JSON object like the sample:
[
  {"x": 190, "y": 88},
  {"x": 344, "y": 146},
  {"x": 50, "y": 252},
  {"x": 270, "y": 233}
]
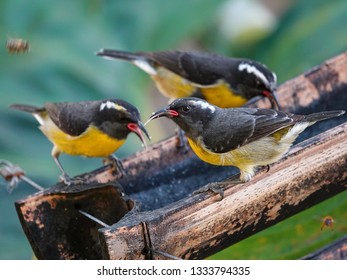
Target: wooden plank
[{"x": 55, "y": 228}]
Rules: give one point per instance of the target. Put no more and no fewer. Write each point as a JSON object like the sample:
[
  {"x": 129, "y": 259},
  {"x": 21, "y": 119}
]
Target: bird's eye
[{"x": 185, "y": 109}]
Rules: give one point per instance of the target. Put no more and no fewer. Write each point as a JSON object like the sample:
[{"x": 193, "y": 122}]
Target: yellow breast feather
[
  {"x": 171, "y": 84},
  {"x": 222, "y": 96},
  {"x": 91, "y": 143}
]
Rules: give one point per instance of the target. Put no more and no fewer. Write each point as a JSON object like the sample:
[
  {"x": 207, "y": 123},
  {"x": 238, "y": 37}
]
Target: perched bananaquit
[
  {"x": 87, "y": 128},
  {"x": 222, "y": 81},
  {"x": 241, "y": 137}
]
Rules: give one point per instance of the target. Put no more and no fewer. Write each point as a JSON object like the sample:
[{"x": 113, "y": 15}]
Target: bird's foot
[
  {"x": 67, "y": 180},
  {"x": 216, "y": 187},
  {"x": 116, "y": 163},
  {"x": 267, "y": 168}
]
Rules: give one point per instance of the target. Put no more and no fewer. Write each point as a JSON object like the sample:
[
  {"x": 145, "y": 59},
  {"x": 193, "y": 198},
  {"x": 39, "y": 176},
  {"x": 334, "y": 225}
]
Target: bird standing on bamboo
[
  {"x": 223, "y": 81},
  {"x": 87, "y": 128},
  {"x": 241, "y": 137}
]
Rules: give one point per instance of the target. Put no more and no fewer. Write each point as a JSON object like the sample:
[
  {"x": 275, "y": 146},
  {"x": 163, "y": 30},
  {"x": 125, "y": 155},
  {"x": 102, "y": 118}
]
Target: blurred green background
[{"x": 289, "y": 36}]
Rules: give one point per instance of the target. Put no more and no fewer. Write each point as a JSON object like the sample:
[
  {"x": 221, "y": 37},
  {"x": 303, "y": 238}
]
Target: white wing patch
[
  {"x": 39, "y": 118},
  {"x": 111, "y": 105},
  {"x": 275, "y": 78},
  {"x": 145, "y": 66},
  {"x": 204, "y": 105},
  {"x": 294, "y": 132},
  {"x": 252, "y": 69}
]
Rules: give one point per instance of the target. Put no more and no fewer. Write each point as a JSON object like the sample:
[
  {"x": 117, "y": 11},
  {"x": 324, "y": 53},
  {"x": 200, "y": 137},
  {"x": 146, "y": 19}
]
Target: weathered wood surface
[
  {"x": 334, "y": 251},
  {"x": 55, "y": 228},
  {"x": 161, "y": 178}
]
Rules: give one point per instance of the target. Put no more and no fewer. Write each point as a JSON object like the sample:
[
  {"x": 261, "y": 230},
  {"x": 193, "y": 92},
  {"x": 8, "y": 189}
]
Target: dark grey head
[
  {"x": 118, "y": 118},
  {"x": 190, "y": 114},
  {"x": 253, "y": 79}
]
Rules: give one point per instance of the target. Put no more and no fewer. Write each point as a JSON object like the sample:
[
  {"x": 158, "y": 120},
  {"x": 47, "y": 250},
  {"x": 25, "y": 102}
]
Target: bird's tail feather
[
  {"x": 27, "y": 108},
  {"x": 136, "y": 58},
  {"x": 323, "y": 115},
  {"x": 123, "y": 55}
]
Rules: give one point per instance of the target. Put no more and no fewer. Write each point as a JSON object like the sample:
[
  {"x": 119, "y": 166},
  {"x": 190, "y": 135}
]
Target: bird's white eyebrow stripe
[
  {"x": 205, "y": 105},
  {"x": 111, "y": 105},
  {"x": 252, "y": 69},
  {"x": 107, "y": 104}
]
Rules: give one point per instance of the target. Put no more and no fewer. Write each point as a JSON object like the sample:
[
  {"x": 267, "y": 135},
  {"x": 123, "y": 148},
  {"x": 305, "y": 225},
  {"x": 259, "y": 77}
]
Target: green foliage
[
  {"x": 311, "y": 32},
  {"x": 61, "y": 66}
]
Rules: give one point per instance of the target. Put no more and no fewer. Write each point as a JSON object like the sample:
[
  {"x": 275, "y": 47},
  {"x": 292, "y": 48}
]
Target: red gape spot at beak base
[
  {"x": 135, "y": 128},
  {"x": 172, "y": 113},
  {"x": 266, "y": 93}
]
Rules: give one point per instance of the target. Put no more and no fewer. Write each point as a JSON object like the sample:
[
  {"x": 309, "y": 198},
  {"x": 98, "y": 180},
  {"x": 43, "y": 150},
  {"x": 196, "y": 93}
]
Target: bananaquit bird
[
  {"x": 87, "y": 128},
  {"x": 241, "y": 137},
  {"x": 223, "y": 81}
]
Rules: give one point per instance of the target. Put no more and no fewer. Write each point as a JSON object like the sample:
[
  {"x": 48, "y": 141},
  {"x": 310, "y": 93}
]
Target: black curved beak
[
  {"x": 142, "y": 127},
  {"x": 272, "y": 96},
  {"x": 138, "y": 129},
  {"x": 158, "y": 114}
]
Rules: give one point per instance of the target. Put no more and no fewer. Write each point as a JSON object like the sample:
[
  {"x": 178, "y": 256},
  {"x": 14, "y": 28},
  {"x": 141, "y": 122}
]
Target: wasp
[
  {"x": 13, "y": 174},
  {"x": 17, "y": 45},
  {"x": 327, "y": 221}
]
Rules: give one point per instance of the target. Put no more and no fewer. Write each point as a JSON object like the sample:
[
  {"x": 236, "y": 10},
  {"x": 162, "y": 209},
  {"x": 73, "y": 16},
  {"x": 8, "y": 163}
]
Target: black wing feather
[
  {"x": 198, "y": 67},
  {"x": 238, "y": 127},
  {"x": 72, "y": 118},
  {"x": 228, "y": 130},
  {"x": 269, "y": 121}
]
